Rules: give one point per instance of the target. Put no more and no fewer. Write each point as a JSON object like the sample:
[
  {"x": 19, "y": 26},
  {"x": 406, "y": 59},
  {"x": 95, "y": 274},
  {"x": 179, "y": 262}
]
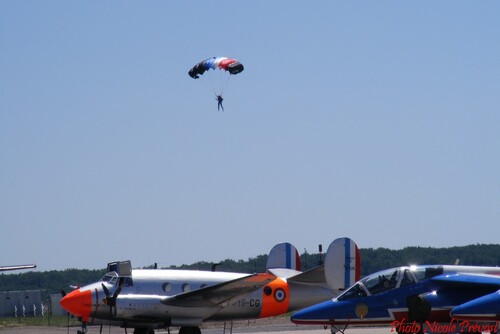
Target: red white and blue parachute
[{"x": 232, "y": 66}]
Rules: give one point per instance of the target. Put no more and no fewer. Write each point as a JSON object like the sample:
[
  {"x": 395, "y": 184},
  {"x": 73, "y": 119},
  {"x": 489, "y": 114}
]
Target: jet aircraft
[
  {"x": 417, "y": 296},
  {"x": 18, "y": 267},
  {"x": 151, "y": 299}
]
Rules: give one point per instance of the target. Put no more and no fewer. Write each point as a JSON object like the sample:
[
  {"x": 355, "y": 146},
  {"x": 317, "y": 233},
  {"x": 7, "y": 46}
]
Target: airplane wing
[
  {"x": 19, "y": 267},
  {"x": 483, "y": 308},
  {"x": 467, "y": 280},
  {"x": 219, "y": 293},
  {"x": 486, "y": 307}
]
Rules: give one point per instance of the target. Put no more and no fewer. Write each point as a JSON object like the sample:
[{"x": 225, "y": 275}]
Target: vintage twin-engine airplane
[
  {"x": 150, "y": 299},
  {"x": 417, "y": 296},
  {"x": 18, "y": 267}
]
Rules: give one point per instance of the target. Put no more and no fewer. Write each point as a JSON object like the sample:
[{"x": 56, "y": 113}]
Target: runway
[
  {"x": 271, "y": 329},
  {"x": 95, "y": 330}
]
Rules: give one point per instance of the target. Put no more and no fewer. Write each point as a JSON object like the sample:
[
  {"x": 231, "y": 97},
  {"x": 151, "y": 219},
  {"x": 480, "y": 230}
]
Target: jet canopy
[{"x": 389, "y": 279}]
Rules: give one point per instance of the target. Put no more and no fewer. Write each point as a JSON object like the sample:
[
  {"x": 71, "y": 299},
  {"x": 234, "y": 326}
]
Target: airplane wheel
[
  {"x": 190, "y": 330},
  {"x": 418, "y": 309},
  {"x": 144, "y": 331}
]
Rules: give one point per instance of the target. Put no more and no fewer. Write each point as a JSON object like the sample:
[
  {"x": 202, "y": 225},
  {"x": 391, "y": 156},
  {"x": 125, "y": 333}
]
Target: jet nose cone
[
  {"x": 300, "y": 317},
  {"x": 78, "y": 303},
  {"x": 312, "y": 314}
]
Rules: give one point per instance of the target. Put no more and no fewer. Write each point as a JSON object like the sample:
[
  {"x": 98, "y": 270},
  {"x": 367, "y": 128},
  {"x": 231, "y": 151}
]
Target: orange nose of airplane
[{"x": 78, "y": 303}]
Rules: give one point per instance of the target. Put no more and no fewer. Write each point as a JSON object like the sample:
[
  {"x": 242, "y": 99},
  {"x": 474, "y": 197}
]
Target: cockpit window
[
  {"x": 433, "y": 271},
  {"x": 407, "y": 277},
  {"x": 355, "y": 291},
  {"x": 422, "y": 273},
  {"x": 125, "y": 281},
  {"x": 110, "y": 277},
  {"x": 382, "y": 281},
  {"x": 114, "y": 279}
]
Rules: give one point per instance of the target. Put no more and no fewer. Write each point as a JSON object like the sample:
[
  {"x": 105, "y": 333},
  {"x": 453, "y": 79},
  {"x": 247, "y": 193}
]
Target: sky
[{"x": 374, "y": 120}]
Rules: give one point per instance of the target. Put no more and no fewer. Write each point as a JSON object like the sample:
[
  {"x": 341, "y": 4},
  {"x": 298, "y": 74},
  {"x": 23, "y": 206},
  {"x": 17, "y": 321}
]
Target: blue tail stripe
[
  {"x": 288, "y": 256},
  {"x": 347, "y": 271}
]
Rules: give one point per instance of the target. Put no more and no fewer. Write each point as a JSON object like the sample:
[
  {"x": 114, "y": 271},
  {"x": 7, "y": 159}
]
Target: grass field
[{"x": 56, "y": 321}]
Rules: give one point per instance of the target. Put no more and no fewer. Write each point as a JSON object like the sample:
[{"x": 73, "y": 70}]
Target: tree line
[{"x": 372, "y": 260}]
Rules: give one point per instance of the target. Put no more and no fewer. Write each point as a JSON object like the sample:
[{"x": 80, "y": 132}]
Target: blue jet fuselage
[{"x": 418, "y": 293}]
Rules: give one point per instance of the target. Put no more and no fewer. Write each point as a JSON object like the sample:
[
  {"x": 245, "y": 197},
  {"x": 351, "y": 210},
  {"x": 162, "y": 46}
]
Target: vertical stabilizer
[
  {"x": 342, "y": 264},
  {"x": 283, "y": 255}
]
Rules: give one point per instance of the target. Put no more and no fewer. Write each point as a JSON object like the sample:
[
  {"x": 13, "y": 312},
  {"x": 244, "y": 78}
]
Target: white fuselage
[{"x": 153, "y": 296}]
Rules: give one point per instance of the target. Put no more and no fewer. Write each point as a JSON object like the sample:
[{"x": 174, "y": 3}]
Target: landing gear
[
  {"x": 189, "y": 330},
  {"x": 84, "y": 329},
  {"x": 144, "y": 331},
  {"x": 419, "y": 310},
  {"x": 334, "y": 329},
  {"x": 230, "y": 328}
]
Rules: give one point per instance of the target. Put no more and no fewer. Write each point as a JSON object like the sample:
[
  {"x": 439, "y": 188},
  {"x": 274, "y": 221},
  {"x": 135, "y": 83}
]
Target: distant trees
[
  {"x": 372, "y": 260},
  {"x": 52, "y": 281}
]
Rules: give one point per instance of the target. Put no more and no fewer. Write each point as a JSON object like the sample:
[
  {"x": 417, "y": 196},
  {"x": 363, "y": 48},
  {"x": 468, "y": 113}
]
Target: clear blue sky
[{"x": 376, "y": 120}]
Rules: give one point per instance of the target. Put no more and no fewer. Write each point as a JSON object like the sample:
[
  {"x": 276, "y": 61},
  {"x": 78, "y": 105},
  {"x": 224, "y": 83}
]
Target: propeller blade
[
  {"x": 106, "y": 291},
  {"x": 111, "y": 300},
  {"x": 117, "y": 292}
]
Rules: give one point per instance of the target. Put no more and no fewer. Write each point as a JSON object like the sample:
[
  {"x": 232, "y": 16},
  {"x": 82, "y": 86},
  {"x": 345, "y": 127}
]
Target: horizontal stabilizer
[
  {"x": 313, "y": 276},
  {"x": 284, "y": 273}
]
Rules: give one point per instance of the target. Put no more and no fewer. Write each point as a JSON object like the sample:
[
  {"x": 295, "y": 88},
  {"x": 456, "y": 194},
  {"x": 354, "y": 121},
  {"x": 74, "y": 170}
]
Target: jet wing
[
  {"x": 483, "y": 308},
  {"x": 467, "y": 280},
  {"x": 219, "y": 293}
]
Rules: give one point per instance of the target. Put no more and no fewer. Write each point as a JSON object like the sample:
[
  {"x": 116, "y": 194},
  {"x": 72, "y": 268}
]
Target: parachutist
[
  {"x": 219, "y": 103},
  {"x": 227, "y": 66}
]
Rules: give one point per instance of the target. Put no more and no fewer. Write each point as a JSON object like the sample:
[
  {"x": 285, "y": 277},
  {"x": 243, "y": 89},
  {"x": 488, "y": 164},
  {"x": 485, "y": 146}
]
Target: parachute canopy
[{"x": 222, "y": 63}]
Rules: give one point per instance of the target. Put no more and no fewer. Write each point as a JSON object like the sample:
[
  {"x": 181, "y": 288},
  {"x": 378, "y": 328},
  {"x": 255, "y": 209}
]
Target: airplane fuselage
[
  {"x": 149, "y": 299},
  {"x": 378, "y": 300},
  {"x": 149, "y": 296}
]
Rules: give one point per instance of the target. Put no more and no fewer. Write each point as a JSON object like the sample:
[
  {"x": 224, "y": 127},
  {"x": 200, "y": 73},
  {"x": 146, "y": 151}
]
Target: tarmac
[
  {"x": 259, "y": 329},
  {"x": 115, "y": 330},
  {"x": 261, "y": 326}
]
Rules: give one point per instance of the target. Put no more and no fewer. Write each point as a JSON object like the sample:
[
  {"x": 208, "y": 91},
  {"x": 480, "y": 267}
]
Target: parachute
[
  {"x": 217, "y": 79},
  {"x": 222, "y": 63}
]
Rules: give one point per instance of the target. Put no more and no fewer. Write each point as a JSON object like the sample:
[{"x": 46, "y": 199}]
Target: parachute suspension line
[
  {"x": 209, "y": 85},
  {"x": 224, "y": 85},
  {"x": 218, "y": 81},
  {"x": 213, "y": 84}
]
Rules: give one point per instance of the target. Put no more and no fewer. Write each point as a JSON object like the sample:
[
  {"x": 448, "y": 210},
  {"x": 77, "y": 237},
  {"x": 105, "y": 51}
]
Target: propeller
[{"x": 110, "y": 300}]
